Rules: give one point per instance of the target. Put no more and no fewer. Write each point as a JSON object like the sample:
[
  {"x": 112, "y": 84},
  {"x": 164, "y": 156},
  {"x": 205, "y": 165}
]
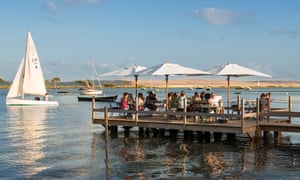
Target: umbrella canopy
[
  {"x": 234, "y": 70},
  {"x": 167, "y": 69},
  {"x": 127, "y": 71}
]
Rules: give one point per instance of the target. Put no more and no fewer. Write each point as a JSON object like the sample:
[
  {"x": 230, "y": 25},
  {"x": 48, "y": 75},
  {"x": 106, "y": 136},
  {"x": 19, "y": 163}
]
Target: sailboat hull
[
  {"x": 28, "y": 102},
  {"x": 91, "y": 92}
]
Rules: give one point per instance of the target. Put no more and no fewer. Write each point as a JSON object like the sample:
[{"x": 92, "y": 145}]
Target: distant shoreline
[{"x": 181, "y": 83}]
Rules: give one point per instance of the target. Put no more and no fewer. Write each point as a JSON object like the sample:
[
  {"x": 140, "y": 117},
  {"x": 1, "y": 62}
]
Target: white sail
[
  {"x": 33, "y": 77},
  {"x": 29, "y": 79},
  {"x": 16, "y": 88}
]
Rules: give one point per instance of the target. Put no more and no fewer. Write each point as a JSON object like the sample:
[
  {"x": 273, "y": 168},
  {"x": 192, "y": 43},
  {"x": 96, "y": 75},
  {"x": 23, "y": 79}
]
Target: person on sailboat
[{"x": 46, "y": 97}]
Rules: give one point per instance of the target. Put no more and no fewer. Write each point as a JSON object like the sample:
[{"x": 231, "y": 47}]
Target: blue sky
[{"x": 263, "y": 35}]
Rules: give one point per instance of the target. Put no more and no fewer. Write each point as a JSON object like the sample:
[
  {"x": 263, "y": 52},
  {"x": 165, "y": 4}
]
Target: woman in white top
[{"x": 215, "y": 102}]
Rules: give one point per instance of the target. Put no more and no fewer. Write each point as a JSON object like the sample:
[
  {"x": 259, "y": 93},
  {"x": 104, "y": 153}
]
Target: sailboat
[
  {"x": 28, "y": 85},
  {"x": 91, "y": 89}
]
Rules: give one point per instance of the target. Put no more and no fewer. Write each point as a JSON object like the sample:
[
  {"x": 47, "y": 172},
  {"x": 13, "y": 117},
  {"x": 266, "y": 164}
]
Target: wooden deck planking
[
  {"x": 280, "y": 127},
  {"x": 232, "y": 126}
]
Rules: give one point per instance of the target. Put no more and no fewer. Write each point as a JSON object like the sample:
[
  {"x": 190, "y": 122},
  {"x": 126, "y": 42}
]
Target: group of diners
[
  {"x": 204, "y": 102},
  {"x": 177, "y": 102},
  {"x": 150, "y": 102}
]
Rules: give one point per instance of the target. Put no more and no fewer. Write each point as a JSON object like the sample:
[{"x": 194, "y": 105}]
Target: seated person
[
  {"x": 173, "y": 104},
  {"x": 181, "y": 101},
  {"x": 196, "y": 97},
  {"x": 170, "y": 94},
  {"x": 264, "y": 101},
  {"x": 215, "y": 102},
  {"x": 151, "y": 99},
  {"x": 124, "y": 104},
  {"x": 196, "y": 102},
  {"x": 202, "y": 96},
  {"x": 140, "y": 101}
]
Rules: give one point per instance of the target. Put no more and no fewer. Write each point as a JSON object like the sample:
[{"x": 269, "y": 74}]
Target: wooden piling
[{"x": 106, "y": 142}]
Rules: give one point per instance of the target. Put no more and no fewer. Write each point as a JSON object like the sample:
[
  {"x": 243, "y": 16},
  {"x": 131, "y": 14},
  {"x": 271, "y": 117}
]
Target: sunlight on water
[
  {"x": 27, "y": 131},
  {"x": 62, "y": 143}
]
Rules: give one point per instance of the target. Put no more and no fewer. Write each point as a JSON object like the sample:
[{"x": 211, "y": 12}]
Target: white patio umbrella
[
  {"x": 127, "y": 71},
  {"x": 167, "y": 69},
  {"x": 234, "y": 70}
]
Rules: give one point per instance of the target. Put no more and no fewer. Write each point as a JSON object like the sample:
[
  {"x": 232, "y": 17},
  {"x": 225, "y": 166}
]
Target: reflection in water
[
  {"x": 165, "y": 158},
  {"x": 26, "y": 133}
]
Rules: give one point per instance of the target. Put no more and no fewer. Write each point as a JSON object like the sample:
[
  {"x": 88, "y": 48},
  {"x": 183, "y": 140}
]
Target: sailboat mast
[
  {"x": 25, "y": 63},
  {"x": 96, "y": 74}
]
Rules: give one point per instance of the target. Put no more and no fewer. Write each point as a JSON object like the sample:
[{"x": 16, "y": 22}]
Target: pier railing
[{"x": 245, "y": 120}]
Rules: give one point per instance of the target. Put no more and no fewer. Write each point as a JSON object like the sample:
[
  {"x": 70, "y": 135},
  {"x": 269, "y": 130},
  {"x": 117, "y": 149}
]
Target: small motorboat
[{"x": 102, "y": 98}]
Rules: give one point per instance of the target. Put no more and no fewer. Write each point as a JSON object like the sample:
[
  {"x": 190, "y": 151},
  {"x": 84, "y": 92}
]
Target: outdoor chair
[{"x": 235, "y": 108}]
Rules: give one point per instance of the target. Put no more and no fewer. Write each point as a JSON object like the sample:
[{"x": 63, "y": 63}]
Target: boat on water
[
  {"x": 204, "y": 88},
  {"x": 102, "y": 98},
  {"x": 28, "y": 87},
  {"x": 91, "y": 91},
  {"x": 244, "y": 88},
  {"x": 90, "y": 88}
]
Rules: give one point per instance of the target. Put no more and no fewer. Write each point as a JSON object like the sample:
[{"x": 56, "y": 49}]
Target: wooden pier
[{"x": 254, "y": 124}]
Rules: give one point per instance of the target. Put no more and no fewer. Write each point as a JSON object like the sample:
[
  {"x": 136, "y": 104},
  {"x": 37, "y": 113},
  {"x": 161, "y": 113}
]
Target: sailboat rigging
[
  {"x": 29, "y": 81},
  {"x": 91, "y": 90}
]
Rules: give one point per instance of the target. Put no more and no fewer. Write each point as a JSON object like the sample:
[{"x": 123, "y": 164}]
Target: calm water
[{"x": 51, "y": 143}]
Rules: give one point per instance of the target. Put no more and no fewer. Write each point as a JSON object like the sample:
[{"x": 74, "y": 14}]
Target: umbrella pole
[
  {"x": 136, "y": 93},
  {"x": 136, "y": 99},
  {"x": 228, "y": 93},
  {"x": 167, "y": 99}
]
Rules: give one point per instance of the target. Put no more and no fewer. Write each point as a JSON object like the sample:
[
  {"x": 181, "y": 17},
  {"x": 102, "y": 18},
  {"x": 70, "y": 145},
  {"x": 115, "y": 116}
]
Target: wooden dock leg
[
  {"x": 267, "y": 136},
  {"x": 127, "y": 130},
  {"x": 231, "y": 136},
  {"x": 277, "y": 135},
  {"x": 207, "y": 137},
  {"x": 217, "y": 136},
  {"x": 147, "y": 132},
  {"x": 188, "y": 135},
  {"x": 258, "y": 133},
  {"x": 141, "y": 132},
  {"x": 173, "y": 133},
  {"x": 200, "y": 136},
  {"x": 155, "y": 132},
  {"x": 106, "y": 143},
  {"x": 162, "y": 132},
  {"x": 114, "y": 131}
]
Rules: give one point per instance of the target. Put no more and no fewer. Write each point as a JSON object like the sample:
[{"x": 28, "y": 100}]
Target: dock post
[
  {"x": 238, "y": 103},
  {"x": 184, "y": 110},
  {"x": 277, "y": 135},
  {"x": 242, "y": 115},
  {"x": 136, "y": 111},
  {"x": 257, "y": 111},
  {"x": 207, "y": 137},
  {"x": 200, "y": 136},
  {"x": 217, "y": 136},
  {"x": 269, "y": 109},
  {"x": 290, "y": 107},
  {"x": 106, "y": 141},
  {"x": 258, "y": 133},
  {"x": 93, "y": 108}
]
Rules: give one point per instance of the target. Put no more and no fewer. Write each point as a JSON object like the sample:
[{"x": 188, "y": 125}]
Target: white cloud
[
  {"x": 50, "y": 7},
  {"x": 216, "y": 16}
]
